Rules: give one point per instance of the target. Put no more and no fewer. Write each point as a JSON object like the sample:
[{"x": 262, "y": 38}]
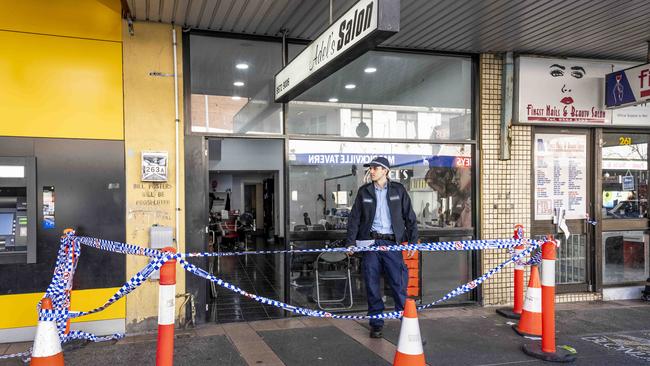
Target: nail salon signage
[{"x": 568, "y": 92}]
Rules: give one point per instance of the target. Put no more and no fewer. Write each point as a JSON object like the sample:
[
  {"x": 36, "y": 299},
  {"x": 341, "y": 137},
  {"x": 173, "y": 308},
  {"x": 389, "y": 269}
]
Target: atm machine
[{"x": 17, "y": 210}]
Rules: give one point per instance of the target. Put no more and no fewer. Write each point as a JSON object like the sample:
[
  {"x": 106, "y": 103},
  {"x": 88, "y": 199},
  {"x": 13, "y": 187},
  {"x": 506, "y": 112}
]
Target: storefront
[
  {"x": 417, "y": 109},
  {"x": 593, "y": 164}
]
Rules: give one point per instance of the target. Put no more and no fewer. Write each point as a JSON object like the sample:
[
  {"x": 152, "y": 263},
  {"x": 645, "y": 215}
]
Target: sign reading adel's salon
[
  {"x": 365, "y": 25},
  {"x": 568, "y": 92}
]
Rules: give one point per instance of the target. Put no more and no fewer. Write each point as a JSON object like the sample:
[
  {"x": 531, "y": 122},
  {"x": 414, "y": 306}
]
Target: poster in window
[
  {"x": 48, "y": 208},
  {"x": 154, "y": 166},
  {"x": 560, "y": 164}
]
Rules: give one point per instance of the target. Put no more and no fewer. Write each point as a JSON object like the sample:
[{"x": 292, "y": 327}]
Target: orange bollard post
[
  {"x": 518, "y": 291},
  {"x": 166, "y": 311},
  {"x": 548, "y": 351}
]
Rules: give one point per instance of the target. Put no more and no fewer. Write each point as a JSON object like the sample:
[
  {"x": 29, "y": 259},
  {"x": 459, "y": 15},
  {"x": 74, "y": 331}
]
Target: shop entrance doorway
[
  {"x": 561, "y": 175},
  {"x": 245, "y": 204},
  {"x": 622, "y": 199}
]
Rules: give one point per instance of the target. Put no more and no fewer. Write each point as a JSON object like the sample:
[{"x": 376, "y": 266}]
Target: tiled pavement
[{"x": 604, "y": 333}]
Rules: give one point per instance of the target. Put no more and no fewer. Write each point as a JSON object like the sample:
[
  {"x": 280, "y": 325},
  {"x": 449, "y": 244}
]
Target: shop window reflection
[
  {"x": 625, "y": 176},
  {"x": 325, "y": 175},
  {"x": 625, "y": 256}
]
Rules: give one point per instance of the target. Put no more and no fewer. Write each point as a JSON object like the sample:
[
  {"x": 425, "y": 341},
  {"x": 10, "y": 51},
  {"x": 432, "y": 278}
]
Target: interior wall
[{"x": 233, "y": 155}]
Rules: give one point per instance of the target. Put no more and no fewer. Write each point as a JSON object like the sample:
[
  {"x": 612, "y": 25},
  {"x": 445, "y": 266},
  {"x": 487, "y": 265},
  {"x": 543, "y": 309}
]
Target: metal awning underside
[{"x": 603, "y": 29}]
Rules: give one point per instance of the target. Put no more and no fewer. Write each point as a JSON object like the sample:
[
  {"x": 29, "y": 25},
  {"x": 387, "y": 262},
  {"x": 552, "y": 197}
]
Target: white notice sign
[{"x": 560, "y": 175}]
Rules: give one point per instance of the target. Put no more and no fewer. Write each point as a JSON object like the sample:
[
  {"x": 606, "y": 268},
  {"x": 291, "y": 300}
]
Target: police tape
[
  {"x": 478, "y": 244},
  {"x": 69, "y": 252}
]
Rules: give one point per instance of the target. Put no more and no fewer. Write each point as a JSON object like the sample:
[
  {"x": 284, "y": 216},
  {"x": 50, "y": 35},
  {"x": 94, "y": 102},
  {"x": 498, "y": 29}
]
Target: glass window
[
  {"x": 388, "y": 95},
  {"x": 625, "y": 256},
  {"x": 232, "y": 85},
  {"x": 325, "y": 175},
  {"x": 625, "y": 176}
]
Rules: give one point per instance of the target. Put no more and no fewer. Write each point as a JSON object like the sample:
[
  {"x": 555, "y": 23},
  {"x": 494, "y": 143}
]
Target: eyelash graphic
[
  {"x": 577, "y": 74},
  {"x": 557, "y": 72}
]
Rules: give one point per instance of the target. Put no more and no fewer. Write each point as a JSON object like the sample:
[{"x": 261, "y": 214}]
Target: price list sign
[{"x": 560, "y": 175}]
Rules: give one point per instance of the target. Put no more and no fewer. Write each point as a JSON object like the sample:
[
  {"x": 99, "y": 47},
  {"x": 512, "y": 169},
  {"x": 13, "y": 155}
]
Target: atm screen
[{"x": 6, "y": 223}]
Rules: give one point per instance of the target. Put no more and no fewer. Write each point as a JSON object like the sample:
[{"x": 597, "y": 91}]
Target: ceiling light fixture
[
  {"x": 370, "y": 70},
  {"x": 242, "y": 66},
  {"x": 350, "y": 86},
  {"x": 235, "y": 97},
  {"x": 333, "y": 100},
  {"x": 238, "y": 83}
]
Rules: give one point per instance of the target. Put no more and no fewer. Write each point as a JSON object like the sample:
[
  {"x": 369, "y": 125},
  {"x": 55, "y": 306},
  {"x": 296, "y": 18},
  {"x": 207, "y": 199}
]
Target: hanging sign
[
  {"x": 365, "y": 25},
  {"x": 627, "y": 87},
  {"x": 560, "y": 175},
  {"x": 628, "y": 183}
]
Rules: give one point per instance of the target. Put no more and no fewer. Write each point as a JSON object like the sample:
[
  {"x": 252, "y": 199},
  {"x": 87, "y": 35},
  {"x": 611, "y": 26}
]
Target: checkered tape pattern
[{"x": 69, "y": 252}]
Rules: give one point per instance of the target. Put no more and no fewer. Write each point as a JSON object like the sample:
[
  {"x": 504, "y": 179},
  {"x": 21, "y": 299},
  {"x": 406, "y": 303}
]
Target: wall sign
[
  {"x": 48, "y": 208},
  {"x": 569, "y": 92},
  {"x": 627, "y": 87},
  {"x": 154, "y": 166},
  {"x": 365, "y": 25},
  {"x": 560, "y": 175}
]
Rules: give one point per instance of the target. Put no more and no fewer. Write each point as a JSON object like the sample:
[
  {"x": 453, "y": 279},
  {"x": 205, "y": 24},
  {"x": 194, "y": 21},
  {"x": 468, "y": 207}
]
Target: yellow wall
[
  {"x": 149, "y": 126},
  {"x": 61, "y": 69},
  {"x": 23, "y": 307}
]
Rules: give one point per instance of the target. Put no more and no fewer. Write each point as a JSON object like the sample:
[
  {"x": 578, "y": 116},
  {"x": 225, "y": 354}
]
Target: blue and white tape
[{"x": 69, "y": 252}]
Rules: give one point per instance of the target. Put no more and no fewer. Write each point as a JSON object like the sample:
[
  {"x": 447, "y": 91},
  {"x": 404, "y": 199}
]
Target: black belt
[{"x": 378, "y": 236}]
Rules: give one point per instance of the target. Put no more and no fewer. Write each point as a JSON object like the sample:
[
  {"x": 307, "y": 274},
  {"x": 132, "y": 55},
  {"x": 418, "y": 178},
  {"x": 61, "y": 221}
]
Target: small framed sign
[{"x": 154, "y": 166}]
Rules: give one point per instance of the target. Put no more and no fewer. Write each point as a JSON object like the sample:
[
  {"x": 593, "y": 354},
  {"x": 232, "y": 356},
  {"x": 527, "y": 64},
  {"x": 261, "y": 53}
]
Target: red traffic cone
[
  {"x": 47, "y": 345},
  {"x": 409, "y": 348},
  {"x": 530, "y": 323}
]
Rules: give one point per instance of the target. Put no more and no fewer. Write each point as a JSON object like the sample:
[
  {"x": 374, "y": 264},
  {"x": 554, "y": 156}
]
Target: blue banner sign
[
  {"x": 627, "y": 87},
  {"x": 396, "y": 160}
]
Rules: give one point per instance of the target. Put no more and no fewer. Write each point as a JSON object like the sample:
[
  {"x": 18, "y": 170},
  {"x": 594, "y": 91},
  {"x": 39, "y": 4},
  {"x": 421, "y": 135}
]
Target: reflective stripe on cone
[
  {"x": 409, "y": 348},
  {"x": 47, "y": 345}
]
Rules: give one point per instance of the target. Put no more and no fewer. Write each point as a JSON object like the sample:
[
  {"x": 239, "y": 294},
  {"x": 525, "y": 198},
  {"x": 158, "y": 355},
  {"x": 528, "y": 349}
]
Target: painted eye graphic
[
  {"x": 578, "y": 72},
  {"x": 557, "y": 70}
]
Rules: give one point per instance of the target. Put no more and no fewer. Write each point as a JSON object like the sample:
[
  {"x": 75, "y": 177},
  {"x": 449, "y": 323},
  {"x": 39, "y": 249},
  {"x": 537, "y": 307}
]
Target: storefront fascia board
[
  {"x": 341, "y": 47},
  {"x": 627, "y": 87},
  {"x": 633, "y": 119}
]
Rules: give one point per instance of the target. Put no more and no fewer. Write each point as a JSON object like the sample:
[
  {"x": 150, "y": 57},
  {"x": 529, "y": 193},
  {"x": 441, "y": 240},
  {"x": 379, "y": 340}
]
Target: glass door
[
  {"x": 623, "y": 215},
  {"x": 561, "y": 179}
]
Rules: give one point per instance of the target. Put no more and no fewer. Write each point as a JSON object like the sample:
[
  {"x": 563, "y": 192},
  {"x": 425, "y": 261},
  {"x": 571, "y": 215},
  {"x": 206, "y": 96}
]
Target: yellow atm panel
[
  {"x": 60, "y": 87},
  {"x": 92, "y": 19}
]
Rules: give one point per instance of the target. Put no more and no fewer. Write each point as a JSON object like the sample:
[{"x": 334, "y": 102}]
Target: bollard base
[
  {"x": 508, "y": 313},
  {"x": 515, "y": 327},
  {"x": 560, "y": 354}
]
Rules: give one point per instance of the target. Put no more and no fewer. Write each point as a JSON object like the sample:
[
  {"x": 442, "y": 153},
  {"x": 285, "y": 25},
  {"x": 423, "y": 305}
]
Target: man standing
[{"x": 382, "y": 212}]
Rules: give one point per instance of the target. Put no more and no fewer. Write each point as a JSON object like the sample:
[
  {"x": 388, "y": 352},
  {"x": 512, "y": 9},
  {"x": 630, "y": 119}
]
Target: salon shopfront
[
  {"x": 416, "y": 109},
  {"x": 590, "y": 167}
]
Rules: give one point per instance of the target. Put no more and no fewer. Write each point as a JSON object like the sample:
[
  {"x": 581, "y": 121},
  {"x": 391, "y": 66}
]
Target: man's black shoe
[{"x": 376, "y": 333}]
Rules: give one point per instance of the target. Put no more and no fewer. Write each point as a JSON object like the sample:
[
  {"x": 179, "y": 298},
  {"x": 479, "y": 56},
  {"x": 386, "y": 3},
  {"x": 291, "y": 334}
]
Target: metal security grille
[{"x": 571, "y": 264}]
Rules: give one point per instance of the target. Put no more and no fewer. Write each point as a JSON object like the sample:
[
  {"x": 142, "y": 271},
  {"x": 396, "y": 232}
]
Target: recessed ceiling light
[
  {"x": 333, "y": 100},
  {"x": 234, "y": 97},
  {"x": 370, "y": 70},
  {"x": 350, "y": 86},
  {"x": 238, "y": 83},
  {"x": 242, "y": 66}
]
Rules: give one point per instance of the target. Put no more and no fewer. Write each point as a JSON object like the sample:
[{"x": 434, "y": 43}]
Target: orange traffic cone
[
  {"x": 47, "y": 345},
  {"x": 409, "y": 348},
  {"x": 530, "y": 323}
]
